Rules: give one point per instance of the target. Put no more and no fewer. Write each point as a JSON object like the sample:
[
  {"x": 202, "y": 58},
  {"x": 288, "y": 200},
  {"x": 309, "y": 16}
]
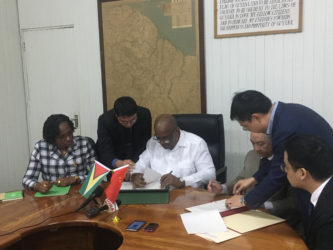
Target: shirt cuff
[
  {"x": 114, "y": 162},
  {"x": 224, "y": 189},
  {"x": 268, "y": 205}
]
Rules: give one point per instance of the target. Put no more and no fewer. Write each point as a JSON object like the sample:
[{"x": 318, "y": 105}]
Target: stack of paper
[
  {"x": 207, "y": 224},
  {"x": 238, "y": 223}
]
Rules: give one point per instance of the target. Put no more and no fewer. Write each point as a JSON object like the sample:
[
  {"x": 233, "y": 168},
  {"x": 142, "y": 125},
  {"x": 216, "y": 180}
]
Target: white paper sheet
[
  {"x": 203, "y": 222},
  {"x": 152, "y": 178}
]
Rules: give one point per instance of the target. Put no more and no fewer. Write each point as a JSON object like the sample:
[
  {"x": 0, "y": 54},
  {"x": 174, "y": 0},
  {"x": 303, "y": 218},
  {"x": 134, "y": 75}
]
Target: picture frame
[
  {"x": 153, "y": 51},
  {"x": 234, "y": 18}
]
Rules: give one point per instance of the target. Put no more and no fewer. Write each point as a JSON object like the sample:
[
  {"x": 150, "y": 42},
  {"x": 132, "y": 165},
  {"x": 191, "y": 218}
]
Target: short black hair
[
  {"x": 125, "y": 106},
  {"x": 51, "y": 126},
  {"x": 246, "y": 103},
  {"x": 312, "y": 153}
]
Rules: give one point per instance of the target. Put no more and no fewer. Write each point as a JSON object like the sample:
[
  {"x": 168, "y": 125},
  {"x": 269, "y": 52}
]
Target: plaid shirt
[{"x": 48, "y": 160}]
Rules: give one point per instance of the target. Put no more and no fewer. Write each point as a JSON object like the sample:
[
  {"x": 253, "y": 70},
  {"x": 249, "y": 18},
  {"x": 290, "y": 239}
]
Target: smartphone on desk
[
  {"x": 151, "y": 227},
  {"x": 135, "y": 225}
]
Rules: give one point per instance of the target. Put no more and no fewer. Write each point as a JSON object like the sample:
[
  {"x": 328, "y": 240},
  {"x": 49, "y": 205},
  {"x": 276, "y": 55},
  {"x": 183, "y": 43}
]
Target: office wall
[
  {"x": 13, "y": 129},
  {"x": 286, "y": 67}
]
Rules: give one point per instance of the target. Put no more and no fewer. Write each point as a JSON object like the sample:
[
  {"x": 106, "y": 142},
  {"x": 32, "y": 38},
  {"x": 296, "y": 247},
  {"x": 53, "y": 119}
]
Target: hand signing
[{"x": 171, "y": 180}]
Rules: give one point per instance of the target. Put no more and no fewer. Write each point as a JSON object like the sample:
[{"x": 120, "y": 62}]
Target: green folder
[
  {"x": 54, "y": 190},
  {"x": 144, "y": 196},
  {"x": 11, "y": 195}
]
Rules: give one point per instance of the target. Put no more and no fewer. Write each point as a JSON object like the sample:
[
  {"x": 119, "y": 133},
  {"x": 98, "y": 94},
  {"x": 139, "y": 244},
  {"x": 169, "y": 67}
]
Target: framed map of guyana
[{"x": 152, "y": 50}]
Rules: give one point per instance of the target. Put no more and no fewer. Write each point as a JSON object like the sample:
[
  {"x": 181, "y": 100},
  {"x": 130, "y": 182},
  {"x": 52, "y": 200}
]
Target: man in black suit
[
  {"x": 123, "y": 133},
  {"x": 308, "y": 163}
]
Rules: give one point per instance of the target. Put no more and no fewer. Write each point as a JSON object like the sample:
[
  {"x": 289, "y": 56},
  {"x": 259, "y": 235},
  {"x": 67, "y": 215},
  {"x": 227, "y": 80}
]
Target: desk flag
[
  {"x": 117, "y": 178},
  {"x": 96, "y": 174}
]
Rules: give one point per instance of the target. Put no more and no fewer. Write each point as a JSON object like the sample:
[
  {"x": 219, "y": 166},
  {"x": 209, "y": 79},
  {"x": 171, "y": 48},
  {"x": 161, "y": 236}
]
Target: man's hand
[
  {"x": 66, "y": 181},
  {"x": 214, "y": 187},
  {"x": 234, "y": 201},
  {"x": 169, "y": 179},
  {"x": 131, "y": 166},
  {"x": 43, "y": 186},
  {"x": 138, "y": 180},
  {"x": 243, "y": 185}
]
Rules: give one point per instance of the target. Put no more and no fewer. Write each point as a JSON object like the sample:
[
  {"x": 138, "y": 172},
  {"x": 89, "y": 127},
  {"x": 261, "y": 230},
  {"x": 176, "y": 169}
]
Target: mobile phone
[
  {"x": 151, "y": 227},
  {"x": 135, "y": 225}
]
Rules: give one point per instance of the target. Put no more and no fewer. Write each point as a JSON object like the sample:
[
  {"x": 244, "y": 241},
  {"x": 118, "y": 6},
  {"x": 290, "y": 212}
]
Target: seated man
[
  {"x": 62, "y": 158},
  {"x": 308, "y": 163},
  {"x": 283, "y": 203},
  {"x": 123, "y": 133},
  {"x": 182, "y": 158}
]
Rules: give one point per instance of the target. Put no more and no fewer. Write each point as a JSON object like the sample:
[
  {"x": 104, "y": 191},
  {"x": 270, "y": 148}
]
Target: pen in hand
[{"x": 166, "y": 179}]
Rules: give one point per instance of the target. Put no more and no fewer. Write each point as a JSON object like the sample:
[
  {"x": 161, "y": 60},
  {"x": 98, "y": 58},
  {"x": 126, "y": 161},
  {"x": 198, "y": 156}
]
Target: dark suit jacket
[
  {"x": 284, "y": 200},
  {"x": 289, "y": 120},
  {"x": 116, "y": 141},
  {"x": 320, "y": 233}
]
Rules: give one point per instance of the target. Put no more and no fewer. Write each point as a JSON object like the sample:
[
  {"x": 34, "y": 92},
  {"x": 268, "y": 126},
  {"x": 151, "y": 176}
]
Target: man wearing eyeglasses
[
  {"x": 123, "y": 133},
  {"x": 182, "y": 158}
]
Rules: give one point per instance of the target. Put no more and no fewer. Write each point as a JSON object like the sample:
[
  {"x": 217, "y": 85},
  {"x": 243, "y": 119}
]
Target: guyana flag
[{"x": 94, "y": 178}]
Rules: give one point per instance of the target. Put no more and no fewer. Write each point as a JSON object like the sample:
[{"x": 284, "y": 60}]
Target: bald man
[
  {"x": 182, "y": 158},
  {"x": 283, "y": 202}
]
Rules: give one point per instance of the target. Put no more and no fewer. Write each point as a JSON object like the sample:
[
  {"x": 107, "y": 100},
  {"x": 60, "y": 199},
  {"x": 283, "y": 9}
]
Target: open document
[
  {"x": 238, "y": 220},
  {"x": 152, "y": 178}
]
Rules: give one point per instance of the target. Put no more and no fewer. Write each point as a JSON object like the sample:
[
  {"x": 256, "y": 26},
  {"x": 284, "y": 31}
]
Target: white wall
[
  {"x": 286, "y": 67},
  {"x": 13, "y": 127}
]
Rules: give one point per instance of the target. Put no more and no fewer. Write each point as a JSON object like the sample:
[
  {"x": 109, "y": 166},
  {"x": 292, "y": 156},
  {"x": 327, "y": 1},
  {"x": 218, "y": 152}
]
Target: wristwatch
[{"x": 242, "y": 200}]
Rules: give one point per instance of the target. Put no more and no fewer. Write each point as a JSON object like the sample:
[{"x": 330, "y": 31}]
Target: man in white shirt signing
[{"x": 182, "y": 158}]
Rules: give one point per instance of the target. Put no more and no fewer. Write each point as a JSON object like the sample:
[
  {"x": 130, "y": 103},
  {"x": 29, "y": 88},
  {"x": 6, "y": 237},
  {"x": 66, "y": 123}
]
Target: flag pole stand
[{"x": 113, "y": 207}]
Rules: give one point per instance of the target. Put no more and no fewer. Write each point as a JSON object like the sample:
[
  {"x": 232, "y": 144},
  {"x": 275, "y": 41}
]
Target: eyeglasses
[
  {"x": 161, "y": 140},
  {"x": 166, "y": 139}
]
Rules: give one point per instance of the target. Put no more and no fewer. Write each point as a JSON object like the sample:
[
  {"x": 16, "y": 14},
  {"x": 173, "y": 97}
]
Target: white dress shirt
[{"x": 189, "y": 159}]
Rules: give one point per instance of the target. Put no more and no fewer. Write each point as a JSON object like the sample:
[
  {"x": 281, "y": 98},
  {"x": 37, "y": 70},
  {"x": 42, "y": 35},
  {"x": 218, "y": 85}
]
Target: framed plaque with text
[{"x": 234, "y": 18}]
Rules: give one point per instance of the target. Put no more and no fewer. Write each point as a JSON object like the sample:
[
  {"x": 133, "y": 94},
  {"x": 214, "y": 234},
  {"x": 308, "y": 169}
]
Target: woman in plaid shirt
[{"x": 61, "y": 158}]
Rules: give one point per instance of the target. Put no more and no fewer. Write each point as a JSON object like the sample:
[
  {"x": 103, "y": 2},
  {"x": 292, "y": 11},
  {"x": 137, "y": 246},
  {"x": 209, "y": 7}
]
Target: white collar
[{"x": 315, "y": 195}]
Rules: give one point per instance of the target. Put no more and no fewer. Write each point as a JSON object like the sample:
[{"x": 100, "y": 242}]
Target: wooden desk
[{"x": 171, "y": 233}]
